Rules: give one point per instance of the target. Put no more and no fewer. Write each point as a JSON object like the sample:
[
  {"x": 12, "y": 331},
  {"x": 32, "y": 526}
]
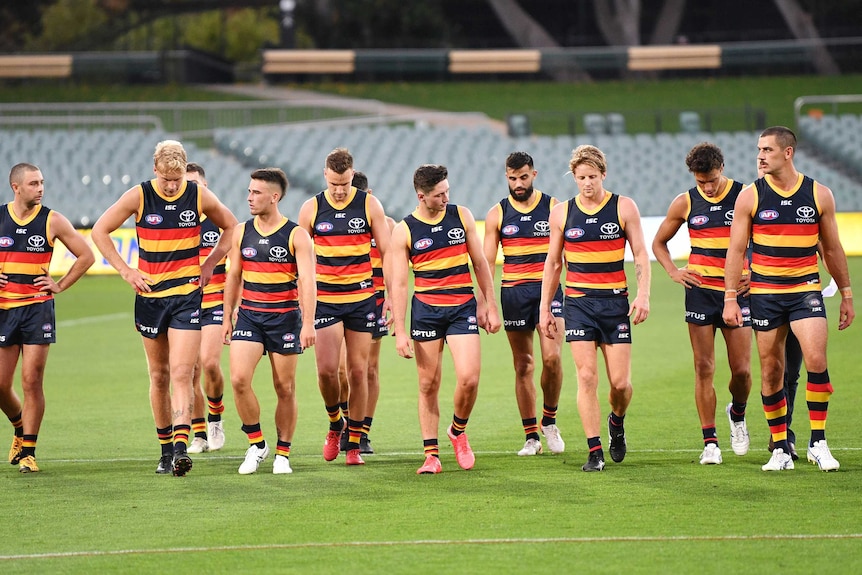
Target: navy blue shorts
[
  {"x": 520, "y": 305},
  {"x": 381, "y": 329},
  {"x": 33, "y": 324},
  {"x": 358, "y": 316},
  {"x": 705, "y": 307},
  {"x": 154, "y": 315},
  {"x": 768, "y": 311},
  {"x": 599, "y": 319},
  {"x": 277, "y": 331},
  {"x": 212, "y": 315},
  {"x": 432, "y": 322}
]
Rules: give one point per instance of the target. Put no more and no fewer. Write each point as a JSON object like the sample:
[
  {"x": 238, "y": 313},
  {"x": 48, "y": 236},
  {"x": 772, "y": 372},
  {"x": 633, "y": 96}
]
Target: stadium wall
[{"x": 849, "y": 227}]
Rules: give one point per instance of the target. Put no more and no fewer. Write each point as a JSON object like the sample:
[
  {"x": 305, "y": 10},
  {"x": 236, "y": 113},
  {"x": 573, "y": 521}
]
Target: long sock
[
  {"x": 29, "y": 447},
  {"x": 215, "y": 407},
  {"x": 181, "y": 437},
  {"x": 199, "y": 427},
  {"x": 775, "y": 408},
  {"x": 458, "y": 425},
  {"x": 345, "y": 409},
  {"x": 336, "y": 422},
  {"x": 531, "y": 428},
  {"x": 549, "y": 414},
  {"x": 616, "y": 420},
  {"x": 709, "y": 434},
  {"x": 594, "y": 444},
  {"x": 737, "y": 411},
  {"x": 17, "y": 422},
  {"x": 818, "y": 390},
  {"x": 354, "y": 433},
  {"x": 431, "y": 447},
  {"x": 282, "y": 448},
  {"x": 166, "y": 439},
  {"x": 255, "y": 435}
]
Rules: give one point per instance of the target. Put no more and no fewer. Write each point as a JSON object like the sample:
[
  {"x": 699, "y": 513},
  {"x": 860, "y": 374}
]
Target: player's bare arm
[
  {"x": 305, "y": 264},
  {"x": 114, "y": 217},
  {"x": 834, "y": 256},
  {"x": 551, "y": 272},
  {"x": 631, "y": 219},
  {"x": 740, "y": 231},
  {"x": 674, "y": 220}
]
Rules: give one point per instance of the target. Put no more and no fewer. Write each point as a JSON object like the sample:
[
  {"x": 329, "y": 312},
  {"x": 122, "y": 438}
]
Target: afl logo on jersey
[
  {"x": 423, "y": 244},
  {"x": 510, "y": 230},
  {"x": 699, "y": 220},
  {"x": 153, "y": 219},
  {"x": 288, "y": 337},
  {"x": 768, "y": 215},
  {"x": 574, "y": 233},
  {"x": 6, "y": 242},
  {"x": 249, "y": 253},
  {"x": 323, "y": 227}
]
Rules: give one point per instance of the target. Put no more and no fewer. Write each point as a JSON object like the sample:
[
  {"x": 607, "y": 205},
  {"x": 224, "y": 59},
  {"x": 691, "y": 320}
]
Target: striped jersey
[
  {"x": 169, "y": 240},
  {"x": 524, "y": 235},
  {"x": 709, "y": 222},
  {"x": 785, "y": 230},
  {"x": 26, "y": 248},
  {"x": 342, "y": 246},
  {"x": 213, "y": 294},
  {"x": 594, "y": 246},
  {"x": 377, "y": 272},
  {"x": 269, "y": 270},
  {"x": 438, "y": 252}
]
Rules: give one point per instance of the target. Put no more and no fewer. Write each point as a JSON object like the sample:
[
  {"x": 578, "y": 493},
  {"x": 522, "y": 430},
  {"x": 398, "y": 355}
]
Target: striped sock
[
  {"x": 531, "y": 428},
  {"x": 166, "y": 439},
  {"x": 549, "y": 414},
  {"x": 199, "y": 427},
  {"x": 458, "y": 425},
  {"x": 17, "y": 422},
  {"x": 215, "y": 407},
  {"x": 336, "y": 423},
  {"x": 354, "y": 433},
  {"x": 595, "y": 444},
  {"x": 709, "y": 434},
  {"x": 366, "y": 426},
  {"x": 345, "y": 410},
  {"x": 282, "y": 448},
  {"x": 818, "y": 390},
  {"x": 431, "y": 447},
  {"x": 737, "y": 411},
  {"x": 775, "y": 407},
  {"x": 181, "y": 436},
  {"x": 255, "y": 435},
  {"x": 29, "y": 446}
]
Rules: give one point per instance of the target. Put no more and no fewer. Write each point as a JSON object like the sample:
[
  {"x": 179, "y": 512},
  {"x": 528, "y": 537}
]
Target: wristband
[
  {"x": 730, "y": 299},
  {"x": 730, "y": 291}
]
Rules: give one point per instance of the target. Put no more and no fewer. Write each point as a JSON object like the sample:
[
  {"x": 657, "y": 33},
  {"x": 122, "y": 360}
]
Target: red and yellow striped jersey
[
  {"x": 26, "y": 248},
  {"x": 269, "y": 271}
]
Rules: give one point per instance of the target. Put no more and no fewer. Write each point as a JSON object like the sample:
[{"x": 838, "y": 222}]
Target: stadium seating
[{"x": 86, "y": 170}]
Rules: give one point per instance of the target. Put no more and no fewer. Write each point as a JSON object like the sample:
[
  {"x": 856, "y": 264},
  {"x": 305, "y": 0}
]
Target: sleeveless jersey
[
  {"x": 595, "y": 246},
  {"x": 214, "y": 291},
  {"x": 269, "y": 269},
  {"x": 438, "y": 252},
  {"x": 709, "y": 222},
  {"x": 25, "y": 254},
  {"x": 377, "y": 272},
  {"x": 169, "y": 240},
  {"x": 342, "y": 246},
  {"x": 785, "y": 230},
  {"x": 524, "y": 236}
]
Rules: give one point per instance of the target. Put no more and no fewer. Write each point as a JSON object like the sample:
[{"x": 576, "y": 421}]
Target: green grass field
[{"x": 97, "y": 505}]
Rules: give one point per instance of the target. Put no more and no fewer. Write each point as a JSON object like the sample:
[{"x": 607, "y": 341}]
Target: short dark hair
[
  {"x": 360, "y": 181},
  {"x": 784, "y": 136},
  {"x": 339, "y": 160},
  {"x": 427, "y": 176},
  {"x": 704, "y": 158},
  {"x": 17, "y": 172},
  {"x": 517, "y": 160},
  {"x": 196, "y": 168},
  {"x": 273, "y": 176}
]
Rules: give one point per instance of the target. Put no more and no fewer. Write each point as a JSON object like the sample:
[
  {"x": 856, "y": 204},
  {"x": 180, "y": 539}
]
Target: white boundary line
[
  {"x": 93, "y": 319},
  {"x": 441, "y": 542}
]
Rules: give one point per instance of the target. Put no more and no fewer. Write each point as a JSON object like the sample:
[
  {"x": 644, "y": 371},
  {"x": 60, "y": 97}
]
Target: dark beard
[{"x": 521, "y": 196}]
